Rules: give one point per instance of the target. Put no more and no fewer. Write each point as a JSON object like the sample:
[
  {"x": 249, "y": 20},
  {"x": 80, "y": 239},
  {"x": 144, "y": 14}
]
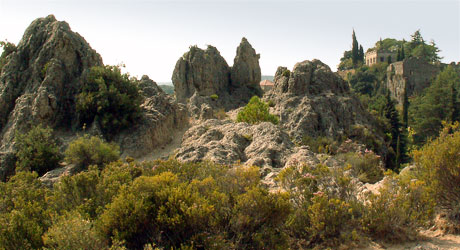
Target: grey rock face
[
  {"x": 202, "y": 71},
  {"x": 246, "y": 69},
  {"x": 161, "y": 117},
  {"x": 202, "y": 75},
  {"x": 39, "y": 81},
  {"x": 313, "y": 101}
]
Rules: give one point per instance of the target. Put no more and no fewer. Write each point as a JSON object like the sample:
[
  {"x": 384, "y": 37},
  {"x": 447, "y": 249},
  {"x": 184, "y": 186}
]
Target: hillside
[{"x": 91, "y": 158}]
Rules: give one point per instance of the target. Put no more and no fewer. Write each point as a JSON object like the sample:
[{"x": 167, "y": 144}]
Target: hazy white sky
[{"x": 149, "y": 36}]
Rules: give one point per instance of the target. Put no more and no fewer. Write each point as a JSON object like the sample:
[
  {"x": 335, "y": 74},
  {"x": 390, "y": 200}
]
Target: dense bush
[
  {"x": 365, "y": 166},
  {"x": 439, "y": 161},
  {"x": 109, "y": 98},
  {"x": 24, "y": 214},
  {"x": 37, "y": 151},
  {"x": 86, "y": 150},
  {"x": 8, "y": 48},
  {"x": 255, "y": 112}
]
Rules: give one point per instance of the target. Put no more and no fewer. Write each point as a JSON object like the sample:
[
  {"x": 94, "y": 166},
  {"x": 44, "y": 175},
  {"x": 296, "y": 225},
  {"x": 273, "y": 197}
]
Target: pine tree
[{"x": 354, "y": 49}]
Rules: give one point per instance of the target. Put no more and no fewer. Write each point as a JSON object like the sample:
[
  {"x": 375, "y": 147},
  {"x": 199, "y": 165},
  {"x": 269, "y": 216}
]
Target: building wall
[
  {"x": 374, "y": 57},
  {"x": 412, "y": 75}
]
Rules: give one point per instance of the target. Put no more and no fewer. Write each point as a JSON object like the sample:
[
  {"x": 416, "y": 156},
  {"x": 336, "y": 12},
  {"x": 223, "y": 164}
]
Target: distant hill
[
  {"x": 270, "y": 78},
  {"x": 168, "y": 89}
]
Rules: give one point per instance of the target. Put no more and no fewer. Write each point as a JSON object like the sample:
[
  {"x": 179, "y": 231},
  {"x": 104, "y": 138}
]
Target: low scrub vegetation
[
  {"x": 173, "y": 205},
  {"x": 256, "y": 112}
]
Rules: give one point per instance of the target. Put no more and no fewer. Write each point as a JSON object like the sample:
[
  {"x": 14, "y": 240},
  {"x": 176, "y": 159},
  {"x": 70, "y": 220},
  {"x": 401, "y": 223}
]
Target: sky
[{"x": 149, "y": 36}]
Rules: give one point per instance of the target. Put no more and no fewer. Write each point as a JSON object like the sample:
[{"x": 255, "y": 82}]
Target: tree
[
  {"x": 389, "y": 59},
  {"x": 109, "y": 98},
  {"x": 437, "y": 104},
  {"x": 37, "y": 151},
  {"x": 405, "y": 109},
  {"x": 8, "y": 48},
  {"x": 354, "y": 49},
  {"x": 395, "y": 132},
  {"x": 361, "y": 53}
]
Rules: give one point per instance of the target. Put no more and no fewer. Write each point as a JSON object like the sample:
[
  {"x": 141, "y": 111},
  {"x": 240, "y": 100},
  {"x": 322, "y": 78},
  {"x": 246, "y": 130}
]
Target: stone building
[
  {"x": 377, "y": 56},
  {"x": 266, "y": 85},
  {"x": 411, "y": 75}
]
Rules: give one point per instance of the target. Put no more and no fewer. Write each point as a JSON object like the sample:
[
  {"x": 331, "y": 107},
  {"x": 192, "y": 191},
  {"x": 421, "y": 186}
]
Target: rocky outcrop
[
  {"x": 204, "y": 72},
  {"x": 313, "y": 101},
  {"x": 203, "y": 80},
  {"x": 162, "y": 116},
  {"x": 412, "y": 75},
  {"x": 246, "y": 69},
  {"x": 41, "y": 79}
]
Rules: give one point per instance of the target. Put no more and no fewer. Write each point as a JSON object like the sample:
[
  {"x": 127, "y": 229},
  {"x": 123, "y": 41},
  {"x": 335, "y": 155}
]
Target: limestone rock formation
[
  {"x": 313, "y": 101},
  {"x": 203, "y": 80},
  {"x": 161, "y": 117},
  {"x": 246, "y": 69},
  {"x": 39, "y": 80},
  {"x": 204, "y": 72}
]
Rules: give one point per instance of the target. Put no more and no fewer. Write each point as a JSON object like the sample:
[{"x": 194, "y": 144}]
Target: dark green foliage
[
  {"x": 37, "y": 151},
  {"x": 361, "y": 53},
  {"x": 255, "y": 112},
  {"x": 354, "y": 49},
  {"x": 418, "y": 48},
  {"x": 405, "y": 110},
  {"x": 345, "y": 62},
  {"x": 85, "y": 151},
  {"x": 110, "y": 98},
  {"x": 8, "y": 48},
  {"x": 397, "y": 142},
  {"x": 320, "y": 144},
  {"x": 438, "y": 103}
]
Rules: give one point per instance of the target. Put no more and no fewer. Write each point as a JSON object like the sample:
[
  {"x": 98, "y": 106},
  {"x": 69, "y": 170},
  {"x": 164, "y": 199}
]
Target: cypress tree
[
  {"x": 389, "y": 59},
  {"x": 394, "y": 126},
  {"x": 354, "y": 49},
  {"x": 361, "y": 53},
  {"x": 398, "y": 56}
]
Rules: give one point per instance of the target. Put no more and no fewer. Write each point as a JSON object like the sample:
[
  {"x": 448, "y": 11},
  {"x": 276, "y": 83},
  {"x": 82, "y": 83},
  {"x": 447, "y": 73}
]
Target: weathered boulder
[{"x": 246, "y": 69}]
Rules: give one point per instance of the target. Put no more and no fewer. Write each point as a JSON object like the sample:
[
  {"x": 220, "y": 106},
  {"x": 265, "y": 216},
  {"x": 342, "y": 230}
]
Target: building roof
[{"x": 266, "y": 83}]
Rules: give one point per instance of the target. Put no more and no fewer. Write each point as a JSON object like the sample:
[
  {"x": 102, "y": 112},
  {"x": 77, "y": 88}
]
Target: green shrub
[
  {"x": 286, "y": 73},
  {"x": 85, "y": 151},
  {"x": 72, "y": 231},
  {"x": 366, "y": 167},
  {"x": 397, "y": 210},
  {"x": 439, "y": 163},
  {"x": 110, "y": 98},
  {"x": 8, "y": 48},
  {"x": 37, "y": 151},
  {"x": 255, "y": 112},
  {"x": 214, "y": 97},
  {"x": 24, "y": 214},
  {"x": 258, "y": 219}
]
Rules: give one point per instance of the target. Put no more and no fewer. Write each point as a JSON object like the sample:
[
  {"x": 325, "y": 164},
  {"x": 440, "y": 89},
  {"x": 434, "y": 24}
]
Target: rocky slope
[
  {"x": 39, "y": 83},
  {"x": 313, "y": 101},
  {"x": 203, "y": 80}
]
